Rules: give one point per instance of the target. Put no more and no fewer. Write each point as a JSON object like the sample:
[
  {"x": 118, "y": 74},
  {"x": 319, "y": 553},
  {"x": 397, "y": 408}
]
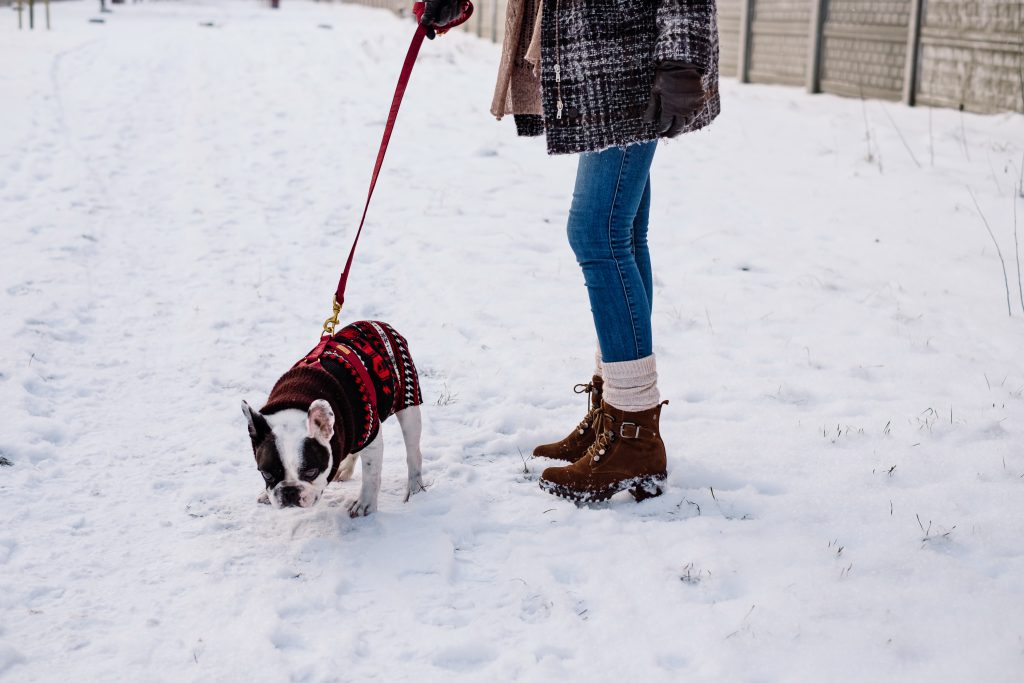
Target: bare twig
[
  {"x": 1020, "y": 179},
  {"x": 968, "y": 77},
  {"x": 1016, "y": 249},
  {"x": 871, "y": 155},
  {"x": 992, "y": 170},
  {"x": 526, "y": 470},
  {"x": 963, "y": 134},
  {"x": 999, "y": 252},
  {"x": 446, "y": 397},
  {"x": 900, "y": 133},
  {"x": 931, "y": 139}
]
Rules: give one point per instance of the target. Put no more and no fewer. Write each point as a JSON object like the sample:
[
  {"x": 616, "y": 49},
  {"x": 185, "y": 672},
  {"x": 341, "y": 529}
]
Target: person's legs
[
  {"x": 611, "y": 186},
  {"x": 641, "y": 253},
  {"x": 608, "y": 232},
  {"x": 642, "y": 256}
]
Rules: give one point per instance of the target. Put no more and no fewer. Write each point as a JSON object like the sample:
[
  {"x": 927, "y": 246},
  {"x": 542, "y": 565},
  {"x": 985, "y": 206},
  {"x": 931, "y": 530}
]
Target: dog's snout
[{"x": 290, "y": 496}]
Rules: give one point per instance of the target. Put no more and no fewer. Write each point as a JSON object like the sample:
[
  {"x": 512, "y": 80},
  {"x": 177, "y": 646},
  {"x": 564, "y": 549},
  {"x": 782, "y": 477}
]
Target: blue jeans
[{"x": 608, "y": 233}]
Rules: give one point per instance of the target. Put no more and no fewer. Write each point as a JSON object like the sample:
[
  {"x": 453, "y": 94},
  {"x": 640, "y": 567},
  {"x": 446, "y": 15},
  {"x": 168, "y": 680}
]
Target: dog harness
[{"x": 364, "y": 371}]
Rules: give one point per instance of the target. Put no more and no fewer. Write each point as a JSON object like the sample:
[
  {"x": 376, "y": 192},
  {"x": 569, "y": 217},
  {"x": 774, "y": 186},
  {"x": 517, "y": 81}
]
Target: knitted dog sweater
[{"x": 364, "y": 372}]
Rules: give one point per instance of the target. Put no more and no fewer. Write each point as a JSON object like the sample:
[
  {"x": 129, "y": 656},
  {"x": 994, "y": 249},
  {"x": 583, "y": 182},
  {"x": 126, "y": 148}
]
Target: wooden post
[
  {"x": 819, "y": 10},
  {"x": 746, "y": 21},
  {"x": 913, "y": 53},
  {"x": 47, "y": 3},
  {"x": 19, "y": 14},
  {"x": 32, "y": 14}
]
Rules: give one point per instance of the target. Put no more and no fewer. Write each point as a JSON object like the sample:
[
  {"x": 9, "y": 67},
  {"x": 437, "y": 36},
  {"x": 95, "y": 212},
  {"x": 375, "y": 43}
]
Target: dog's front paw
[
  {"x": 361, "y": 508},
  {"x": 263, "y": 499},
  {"x": 414, "y": 486}
]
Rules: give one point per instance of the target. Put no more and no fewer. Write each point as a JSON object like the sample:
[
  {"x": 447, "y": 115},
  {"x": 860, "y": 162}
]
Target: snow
[{"x": 846, "y": 427}]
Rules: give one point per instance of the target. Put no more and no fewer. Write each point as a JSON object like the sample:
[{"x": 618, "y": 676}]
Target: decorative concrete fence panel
[
  {"x": 488, "y": 20},
  {"x": 970, "y": 54},
  {"x": 864, "y": 48},
  {"x": 730, "y": 18},
  {"x": 778, "y": 41}
]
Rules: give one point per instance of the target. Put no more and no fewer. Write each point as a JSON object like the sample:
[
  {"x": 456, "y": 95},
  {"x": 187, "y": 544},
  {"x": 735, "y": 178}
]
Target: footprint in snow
[{"x": 535, "y": 608}]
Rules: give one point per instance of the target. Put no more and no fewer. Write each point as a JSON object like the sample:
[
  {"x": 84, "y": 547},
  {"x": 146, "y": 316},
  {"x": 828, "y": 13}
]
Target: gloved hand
[
  {"x": 676, "y": 97},
  {"x": 437, "y": 13}
]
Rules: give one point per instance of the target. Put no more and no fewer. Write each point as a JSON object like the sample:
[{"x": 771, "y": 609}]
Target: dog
[{"x": 326, "y": 412}]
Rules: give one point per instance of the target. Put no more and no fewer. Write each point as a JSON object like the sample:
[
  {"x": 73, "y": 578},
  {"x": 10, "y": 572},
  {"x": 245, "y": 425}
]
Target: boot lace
[
  {"x": 604, "y": 438},
  {"x": 584, "y": 388},
  {"x": 588, "y": 419}
]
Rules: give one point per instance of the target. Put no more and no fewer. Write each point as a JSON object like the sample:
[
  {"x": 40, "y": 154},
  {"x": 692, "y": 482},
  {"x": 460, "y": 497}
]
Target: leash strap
[{"x": 396, "y": 103}]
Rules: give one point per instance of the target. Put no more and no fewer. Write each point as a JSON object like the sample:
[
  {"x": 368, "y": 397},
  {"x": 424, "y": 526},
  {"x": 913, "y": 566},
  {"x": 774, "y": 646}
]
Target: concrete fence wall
[
  {"x": 965, "y": 54},
  {"x": 952, "y": 53}
]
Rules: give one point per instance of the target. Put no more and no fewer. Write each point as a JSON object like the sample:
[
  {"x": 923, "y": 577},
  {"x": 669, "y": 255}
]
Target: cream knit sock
[
  {"x": 632, "y": 385},
  {"x": 597, "y": 363}
]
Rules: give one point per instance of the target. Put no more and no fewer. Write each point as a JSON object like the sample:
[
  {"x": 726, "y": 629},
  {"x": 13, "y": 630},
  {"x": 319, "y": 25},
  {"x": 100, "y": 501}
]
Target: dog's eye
[
  {"x": 267, "y": 477},
  {"x": 310, "y": 473}
]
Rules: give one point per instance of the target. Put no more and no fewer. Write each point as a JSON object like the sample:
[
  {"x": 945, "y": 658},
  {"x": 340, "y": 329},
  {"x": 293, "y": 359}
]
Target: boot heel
[{"x": 650, "y": 487}]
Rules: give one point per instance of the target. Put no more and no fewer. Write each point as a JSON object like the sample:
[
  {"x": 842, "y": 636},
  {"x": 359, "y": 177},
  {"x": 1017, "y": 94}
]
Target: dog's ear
[
  {"x": 320, "y": 421},
  {"x": 259, "y": 428}
]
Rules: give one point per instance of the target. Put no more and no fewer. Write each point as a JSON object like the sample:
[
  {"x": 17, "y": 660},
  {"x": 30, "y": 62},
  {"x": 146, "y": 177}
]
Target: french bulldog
[{"x": 326, "y": 412}]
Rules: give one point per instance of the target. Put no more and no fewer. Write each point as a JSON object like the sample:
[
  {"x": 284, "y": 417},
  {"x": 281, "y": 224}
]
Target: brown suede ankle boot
[
  {"x": 572, "y": 447},
  {"x": 628, "y": 453}
]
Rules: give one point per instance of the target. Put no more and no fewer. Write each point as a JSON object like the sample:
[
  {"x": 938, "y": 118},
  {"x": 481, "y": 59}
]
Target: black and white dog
[{"x": 326, "y": 411}]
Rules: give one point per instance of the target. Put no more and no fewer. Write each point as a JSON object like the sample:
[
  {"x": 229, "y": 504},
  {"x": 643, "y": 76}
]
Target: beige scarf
[{"x": 518, "y": 88}]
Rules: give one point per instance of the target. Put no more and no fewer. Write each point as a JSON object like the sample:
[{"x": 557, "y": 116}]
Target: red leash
[{"x": 396, "y": 102}]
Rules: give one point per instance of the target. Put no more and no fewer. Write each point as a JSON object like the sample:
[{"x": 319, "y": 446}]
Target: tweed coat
[{"x": 598, "y": 59}]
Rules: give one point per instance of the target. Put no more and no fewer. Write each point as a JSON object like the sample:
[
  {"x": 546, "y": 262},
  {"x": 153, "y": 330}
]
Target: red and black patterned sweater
[{"x": 364, "y": 371}]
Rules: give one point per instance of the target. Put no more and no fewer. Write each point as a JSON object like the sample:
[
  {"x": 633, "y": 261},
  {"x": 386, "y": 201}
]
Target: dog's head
[{"x": 293, "y": 452}]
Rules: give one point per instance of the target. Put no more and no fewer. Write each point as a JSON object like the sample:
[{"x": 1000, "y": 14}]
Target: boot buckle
[{"x": 635, "y": 433}]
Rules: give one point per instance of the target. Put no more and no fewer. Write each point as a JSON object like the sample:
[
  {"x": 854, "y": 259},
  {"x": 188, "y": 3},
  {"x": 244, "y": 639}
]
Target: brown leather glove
[{"x": 676, "y": 97}]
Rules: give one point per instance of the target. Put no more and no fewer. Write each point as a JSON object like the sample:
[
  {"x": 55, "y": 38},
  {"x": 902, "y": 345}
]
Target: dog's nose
[{"x": 289, "y": 496}]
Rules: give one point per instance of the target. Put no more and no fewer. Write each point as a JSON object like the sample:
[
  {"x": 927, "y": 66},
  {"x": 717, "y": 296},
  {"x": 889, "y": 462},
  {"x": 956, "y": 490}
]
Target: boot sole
[{"x": 641, "y": 488}]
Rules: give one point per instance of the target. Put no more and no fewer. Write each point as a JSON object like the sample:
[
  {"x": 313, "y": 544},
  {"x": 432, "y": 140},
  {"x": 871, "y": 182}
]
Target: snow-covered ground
[{"x": 846, "y": 431}]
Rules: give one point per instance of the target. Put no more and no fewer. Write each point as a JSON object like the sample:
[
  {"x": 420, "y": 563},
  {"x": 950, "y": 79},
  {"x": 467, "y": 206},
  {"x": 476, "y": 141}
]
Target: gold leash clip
[{"x": 332, "y": 322}]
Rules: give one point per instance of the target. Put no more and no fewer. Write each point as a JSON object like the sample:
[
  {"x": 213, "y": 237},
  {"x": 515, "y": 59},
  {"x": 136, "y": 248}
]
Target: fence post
[
  {"x": 913, "y": 53},
  {"x": 19, "y": 14},
  {"x": 819, "y": 10},
  {"x": 743, "y": 61}
]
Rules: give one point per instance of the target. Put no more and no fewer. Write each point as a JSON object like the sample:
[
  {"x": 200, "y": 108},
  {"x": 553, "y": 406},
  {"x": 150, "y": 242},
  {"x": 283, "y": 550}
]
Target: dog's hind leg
[
  {"x": 411, "y": 422},
  {"x": 372, "y": 457}
]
